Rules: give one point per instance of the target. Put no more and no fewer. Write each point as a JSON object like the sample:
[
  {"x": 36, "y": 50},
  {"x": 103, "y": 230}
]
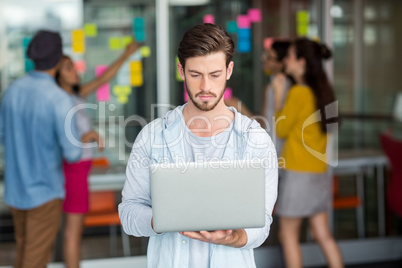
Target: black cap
[{"x": 45, "y": 50}]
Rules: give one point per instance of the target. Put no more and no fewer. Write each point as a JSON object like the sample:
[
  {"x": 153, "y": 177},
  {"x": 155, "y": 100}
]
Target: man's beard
[{"x": 204, "y": 106}]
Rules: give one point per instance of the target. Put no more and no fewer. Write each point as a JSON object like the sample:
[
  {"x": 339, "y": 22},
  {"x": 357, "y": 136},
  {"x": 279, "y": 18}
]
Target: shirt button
[{"x": 184, "y": 242}]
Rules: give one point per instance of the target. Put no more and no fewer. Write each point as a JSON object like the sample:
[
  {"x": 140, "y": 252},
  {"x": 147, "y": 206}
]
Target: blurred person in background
[
  {"x": 305, "y": 187},
  {"x": 273, "y": 64},
  {"x": 33, "y": 131},
  {"x": 76, "y": 202}
]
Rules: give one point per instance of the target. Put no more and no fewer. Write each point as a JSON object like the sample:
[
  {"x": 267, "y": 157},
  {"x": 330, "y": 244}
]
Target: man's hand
[{"x": 231, "y": 238}]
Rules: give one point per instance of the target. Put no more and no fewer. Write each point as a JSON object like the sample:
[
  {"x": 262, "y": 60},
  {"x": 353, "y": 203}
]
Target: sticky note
[
  {"x": 100, "y": 69},
  {"x": 138, "y": 23},
  {"x": 209, "y": 18},
  {"x": 228, "y": 94},
  {"x": 244, "y": 33},
  {"x": 243, "y": 21},
  {"x": 122, "y": 99},
  {"x": 91, "y": 29},
  {"x": 178, "y": 78},
  {"x": 115, "y": 43},
  {"x": 78, "y": 47},
  {"x": 140, "y": 36},
  {"x": 122, "y": 90},
  {"x": 231, "y": 27},
  {"x": 103, "y": 93},
  {"x": 302, "y": 29},
  {"x": 244, "y": 46},
  {"x": 135, "y": 67},
  {"x": 136, "y": 79},
  {"x": 125, "y": 40},
  {"x": 29, "y": 65},
  {"x": 77, "y": 36},
  {"x": 303, "y": 16},
  {"x": 80, "y": 66},
  {"x": 268, "y": 42},
  {"x": 25, "y": 42},
  {"x": 254, "y": 14},
  {"x": 145, "y": 51}
]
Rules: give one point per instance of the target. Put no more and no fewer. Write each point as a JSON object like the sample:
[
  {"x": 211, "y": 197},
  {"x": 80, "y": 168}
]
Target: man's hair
[{"x": 204, "y": 39}]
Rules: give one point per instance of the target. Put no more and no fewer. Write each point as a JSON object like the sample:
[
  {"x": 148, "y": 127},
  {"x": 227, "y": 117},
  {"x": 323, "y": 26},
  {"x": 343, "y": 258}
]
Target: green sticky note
[
  {"x": 178, "y": 78},
  {"x": 91, "y": 30},
  {"x": 231, "y": 27},
  {"x": 115, "y": 43},
  {"x": 145, "y": 51},
  {"x": 302, "y": 29},
  {"x": 126, "y": 40},
  {"x": 303, "y": 16}
]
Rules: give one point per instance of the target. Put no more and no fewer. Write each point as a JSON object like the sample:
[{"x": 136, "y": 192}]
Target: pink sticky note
[
  {"x": 243, "y": 22},
  {"x": 80, "y": 66},
  {"x": 209, "y": 19},
  {"x": 268, "y": 42},
  {"x": 254, "y": 14},
  {"x": 103, "y": 93},
  {"x": 228, "y": 93},
  {"x": 100, "y": 69},
  {"x": 185, "y": 93}
]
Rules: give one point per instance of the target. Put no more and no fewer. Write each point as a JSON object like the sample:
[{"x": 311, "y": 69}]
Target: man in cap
[{"x": 33, "y": 112}]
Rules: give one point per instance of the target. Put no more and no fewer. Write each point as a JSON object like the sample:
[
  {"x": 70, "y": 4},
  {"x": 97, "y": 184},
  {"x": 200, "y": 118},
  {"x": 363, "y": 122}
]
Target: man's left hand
[{"x": 231, "y": 238}]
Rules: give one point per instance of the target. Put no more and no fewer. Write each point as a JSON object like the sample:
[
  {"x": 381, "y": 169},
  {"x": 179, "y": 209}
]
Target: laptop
[{"x": 207, "y": 196}]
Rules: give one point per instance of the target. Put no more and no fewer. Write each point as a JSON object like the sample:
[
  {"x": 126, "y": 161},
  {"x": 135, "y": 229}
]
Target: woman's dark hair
[
  {"x": 76, "y": 88},
  {"x": 314, "y": 75},
  {"x": 281, "y": 48},
  {"x": 204, "y": 39}
]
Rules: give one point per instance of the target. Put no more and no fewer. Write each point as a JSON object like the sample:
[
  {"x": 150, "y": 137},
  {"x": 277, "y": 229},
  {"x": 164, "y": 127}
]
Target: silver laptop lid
[{"x": 208, "y": 196}]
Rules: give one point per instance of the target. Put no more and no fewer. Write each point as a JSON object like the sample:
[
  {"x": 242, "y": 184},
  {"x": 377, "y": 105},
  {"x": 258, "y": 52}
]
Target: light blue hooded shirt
[
  {"x": 162, "y": 141},
  {"x": 32, "y": 128}
]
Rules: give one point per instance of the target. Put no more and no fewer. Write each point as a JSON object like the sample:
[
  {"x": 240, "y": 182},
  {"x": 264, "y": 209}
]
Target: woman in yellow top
[{"x": 305, "y": 187}]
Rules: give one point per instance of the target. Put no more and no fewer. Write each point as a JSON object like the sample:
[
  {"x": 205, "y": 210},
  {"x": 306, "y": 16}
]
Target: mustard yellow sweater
[{"x": 305, "y": 145}]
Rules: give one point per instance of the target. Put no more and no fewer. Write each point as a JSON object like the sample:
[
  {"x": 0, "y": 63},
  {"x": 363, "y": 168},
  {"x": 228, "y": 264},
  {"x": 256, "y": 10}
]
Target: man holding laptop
[{"x": 202, "y": 131}]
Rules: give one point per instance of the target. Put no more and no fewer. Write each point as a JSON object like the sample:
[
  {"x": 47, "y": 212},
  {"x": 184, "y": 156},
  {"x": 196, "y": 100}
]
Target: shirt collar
[{"x": 41, "y": 75}]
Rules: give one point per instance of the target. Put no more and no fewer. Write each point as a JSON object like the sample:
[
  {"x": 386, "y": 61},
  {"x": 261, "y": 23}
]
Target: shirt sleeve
[
  {"x": 135, "y": 210},
  {"x": 265, "y": 151},
  {"x": 66, "y": 130}
]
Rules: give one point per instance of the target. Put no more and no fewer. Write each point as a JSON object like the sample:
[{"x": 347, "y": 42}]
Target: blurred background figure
[
  {"x": 76, "y": 202},
  {"x": 272, "y": 60},
  {"x": 32, "y": 128},
  {"x": 305, "y": 187}
]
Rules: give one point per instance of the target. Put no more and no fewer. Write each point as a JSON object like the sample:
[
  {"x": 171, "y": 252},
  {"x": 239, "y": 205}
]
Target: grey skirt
[{"x": 303, "y": 194}]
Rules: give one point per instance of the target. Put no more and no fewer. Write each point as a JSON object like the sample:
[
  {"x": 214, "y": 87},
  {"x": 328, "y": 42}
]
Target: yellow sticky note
[
  {"x": 91, "y": 29},
  {"x": 135, "y": 67},
  {"x": 77, "y": 36},
  {"x": 122, "y": 99},
  {"x": 303, "y": 16},
  {"x": 114, "y": 43},
  {"x": 145, "y": 51},
  {"x": 126, "y": 40},
  {"x": 119, "y": 90},
  {"x": 136, "y": 80},
  {"x": 78, "y": 47},
  {"x": 302, "y": 29}
]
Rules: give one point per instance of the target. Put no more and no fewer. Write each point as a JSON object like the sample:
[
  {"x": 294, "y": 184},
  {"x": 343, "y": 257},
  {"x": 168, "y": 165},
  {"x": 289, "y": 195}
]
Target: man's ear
[
  {"x": 229, "y": 70},
  {"x": 181, "y": 71}
]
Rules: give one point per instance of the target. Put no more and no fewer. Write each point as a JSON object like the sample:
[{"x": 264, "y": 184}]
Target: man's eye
[
  {"x": 194, "y": 75},
  {"x": 215, "y": 75}
]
